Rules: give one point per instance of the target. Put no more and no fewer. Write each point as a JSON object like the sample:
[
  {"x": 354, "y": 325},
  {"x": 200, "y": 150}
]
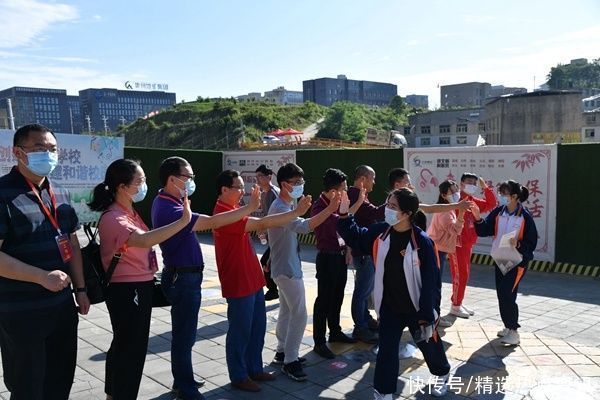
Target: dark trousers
[
  {"x": 332, "y": 273},
  {"x": 184, "y": 294},
  {"x": 39, "y": 351},
  {"x": 130, "y": 308},
  {"x": 506, "y": 290},
  {"x": 264, "y": 261},
  {"x": 391, "y": 326}
]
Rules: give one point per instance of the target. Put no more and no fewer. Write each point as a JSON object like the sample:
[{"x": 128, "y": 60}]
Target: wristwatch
[{"x": 80, "y": 290}]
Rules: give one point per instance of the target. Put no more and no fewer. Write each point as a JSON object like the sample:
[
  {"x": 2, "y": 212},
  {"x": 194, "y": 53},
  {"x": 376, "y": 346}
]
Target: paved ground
[{"x": 559, "y": 356}]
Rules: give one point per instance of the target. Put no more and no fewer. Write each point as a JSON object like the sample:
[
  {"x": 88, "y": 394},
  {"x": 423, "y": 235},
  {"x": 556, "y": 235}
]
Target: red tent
[
  {"x": 276, "y": 132},
  {"x": 290, "y": 131}
]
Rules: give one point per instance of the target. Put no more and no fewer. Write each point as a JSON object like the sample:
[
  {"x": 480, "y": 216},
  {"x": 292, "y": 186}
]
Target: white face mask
[
  {"x": 297, "y": 191},
  {"x": 391, "y": 216},
  {"x": 470, "y": 189},
  {"x": 455, "y": 197}
]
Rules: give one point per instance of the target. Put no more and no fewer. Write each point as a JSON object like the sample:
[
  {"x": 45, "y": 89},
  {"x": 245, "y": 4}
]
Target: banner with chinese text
[
  {"x": 246, "y": 163},
  {"x": 533, "y": 166},
  {"x": 82, "y": 163}
]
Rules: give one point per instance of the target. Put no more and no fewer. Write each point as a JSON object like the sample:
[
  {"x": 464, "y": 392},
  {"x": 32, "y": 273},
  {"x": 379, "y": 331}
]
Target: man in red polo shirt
[{"x": 242, "y": 281}]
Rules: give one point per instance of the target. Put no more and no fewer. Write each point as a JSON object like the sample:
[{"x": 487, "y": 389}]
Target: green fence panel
[
  {"x": 315, "y": 162},
  {"x": 577, "y": 196},
  {"x": 206, "y": 165}
]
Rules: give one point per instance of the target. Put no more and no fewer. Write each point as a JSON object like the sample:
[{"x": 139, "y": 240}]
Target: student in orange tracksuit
[{"x": 460, "y": 265}]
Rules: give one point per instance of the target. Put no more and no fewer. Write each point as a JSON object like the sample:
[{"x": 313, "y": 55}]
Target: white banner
[
  {"x": 82, "y": 163},
  {"x": 246, "y": 162},
  {"x": 532, "y": 166}
]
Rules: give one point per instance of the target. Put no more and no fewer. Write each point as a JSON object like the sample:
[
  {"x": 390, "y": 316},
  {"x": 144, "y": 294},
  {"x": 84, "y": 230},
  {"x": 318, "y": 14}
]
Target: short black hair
[
  {"x": 515, "y": 188},
  {"x": 468, "y": 175},
  {"x": 363, "y": 170},
  {"x": 408, "y": 201},
  {"x": 225, "y": 179},
  {"x": 171, "y": 167},
  {"x": 289, "y": 171},
  {"x": 264, "y": 170},
  {"x": 22, "y": 134},
  {"x": 333, "y": 178},
  {"x": 395, "y": 175}
]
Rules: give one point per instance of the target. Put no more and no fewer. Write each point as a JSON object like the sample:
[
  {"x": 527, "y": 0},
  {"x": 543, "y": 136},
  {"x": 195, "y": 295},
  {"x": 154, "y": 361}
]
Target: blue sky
[{"x": 228, "y": 48}]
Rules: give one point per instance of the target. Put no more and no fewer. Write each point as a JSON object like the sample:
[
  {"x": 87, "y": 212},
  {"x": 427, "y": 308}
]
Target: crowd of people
[{"x": 398, "y": 263}]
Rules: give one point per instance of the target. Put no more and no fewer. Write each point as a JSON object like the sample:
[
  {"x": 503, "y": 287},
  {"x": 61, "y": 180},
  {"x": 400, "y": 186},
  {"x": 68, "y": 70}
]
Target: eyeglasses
[
  {"x": 36, "y": 149},
  {"x": 237, "y": 187},
  {"x": 297, "y": 183},
  {"x": 191, "y": 177}
]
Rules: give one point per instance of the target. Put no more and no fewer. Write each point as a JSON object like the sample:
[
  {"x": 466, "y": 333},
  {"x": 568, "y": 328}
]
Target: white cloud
[
  {"x": 25, "y": 21},
  {"x": 97, "y": 17}
]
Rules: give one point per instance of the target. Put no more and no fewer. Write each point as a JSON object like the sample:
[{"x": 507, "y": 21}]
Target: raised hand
[
  {"x": 334, "y": 203},
  {"x": 187, "y": 211},
  {"x": 482, "y": 183},
  {"x": 304, "y": 204},
  {"x": 254, "y": 203},
  {"x": 476, "y": 212},
  {"x": 465, "y": 205},
  {"x": 344, "y": 203},
  {"x": 55, "y": 281}
]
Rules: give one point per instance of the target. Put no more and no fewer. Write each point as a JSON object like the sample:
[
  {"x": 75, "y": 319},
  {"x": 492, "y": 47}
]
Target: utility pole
[
  {"x": 71, "y": 119},
  {"x": 11, "y": 118},
  {"x": 88, "y": 122},
  {"x": 104, "y": 119}
]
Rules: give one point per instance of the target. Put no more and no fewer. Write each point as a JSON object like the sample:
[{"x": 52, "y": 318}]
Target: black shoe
[
  {"x": 365, "y": 335},
  {"x": 199, "y": 383},
  {"x": 373, "y": 325},
  {"x": 341, "y": 337},
  {"x": 294, "y": 370},
  {"x": 279, "y": 357},
  {"x": 271, "y": 295},
  {"x": 324, "y": 351}
]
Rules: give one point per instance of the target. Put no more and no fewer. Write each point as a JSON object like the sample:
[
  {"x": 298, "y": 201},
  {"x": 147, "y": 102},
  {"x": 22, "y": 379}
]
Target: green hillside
[{"x": 217, "y": 124}]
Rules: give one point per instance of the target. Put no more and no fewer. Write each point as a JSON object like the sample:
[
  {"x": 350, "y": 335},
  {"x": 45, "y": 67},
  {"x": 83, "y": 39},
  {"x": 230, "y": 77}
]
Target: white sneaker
[
  {"x": 440, "y": 387},
  {"x": 512, "y": 338},
  {"x": 503, "y": 332},
  {"x": 459, "y": 312},
  {"x": 379, "y": 396},
  {"x": 444, "y": 323},
  {"x": 468, "y": 310}
]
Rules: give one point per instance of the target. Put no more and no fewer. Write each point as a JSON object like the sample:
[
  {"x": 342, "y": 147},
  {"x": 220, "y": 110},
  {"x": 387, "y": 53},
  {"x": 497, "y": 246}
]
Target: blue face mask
[
  {"x": 190, "y": 186},
  {"x": 297, "y": 191},
  {"x": 42, "y": 163},
  {"x": 391, "y": 216},
  {"x": 504, "y": 200},
  {"x": 141, "y": 193}
]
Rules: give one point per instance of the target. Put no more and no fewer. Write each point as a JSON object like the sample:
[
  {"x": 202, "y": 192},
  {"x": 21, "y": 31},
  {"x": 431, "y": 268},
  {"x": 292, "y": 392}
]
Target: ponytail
[
  {"x": 119, "y": 172},
  {"x": 524, "y": 194},
  {"x": 515, "y": 188}
]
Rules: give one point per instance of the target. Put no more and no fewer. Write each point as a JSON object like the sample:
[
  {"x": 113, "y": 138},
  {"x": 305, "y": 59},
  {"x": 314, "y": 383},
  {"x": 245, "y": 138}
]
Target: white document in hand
[{"x": 505, "y": 239}]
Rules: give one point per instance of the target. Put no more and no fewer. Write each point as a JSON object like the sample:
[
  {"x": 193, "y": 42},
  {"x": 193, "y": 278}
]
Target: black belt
[
  {"x": 185, "y": 270},
  {"x": 341, "y": 252}
]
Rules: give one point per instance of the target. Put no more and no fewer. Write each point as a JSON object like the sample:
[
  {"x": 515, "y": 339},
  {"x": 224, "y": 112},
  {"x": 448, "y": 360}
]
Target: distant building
[
  {"x": 109, "y": 108},
  {"x": 253, "y": 96},
  {"x": 283, "y": 96},
  {"x": 446, "y": 128},
  {"x": 326, "y": 91},
  {"x": 470, "y": 94},
  {"x": 590, "y": 132},
  {"x": 4, "y": 119},
  {"x": 48, "y": 107},
  {"x": 500, "y": 90},
  {"x": 417, "y": 100},
  {"x": 75, "y": 117},
  {"x": 537, "y": 117}
]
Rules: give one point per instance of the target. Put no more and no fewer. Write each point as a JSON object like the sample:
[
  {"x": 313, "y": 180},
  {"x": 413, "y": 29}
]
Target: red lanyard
[{"x": 52, "y": 218}]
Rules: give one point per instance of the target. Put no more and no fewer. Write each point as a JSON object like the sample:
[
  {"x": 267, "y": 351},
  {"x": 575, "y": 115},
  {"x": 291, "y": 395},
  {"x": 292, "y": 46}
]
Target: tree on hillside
[
  {"x": 575, "y": 76},
  {"x": 397, "y": 105},
  {"x": 344, "y": 121}
]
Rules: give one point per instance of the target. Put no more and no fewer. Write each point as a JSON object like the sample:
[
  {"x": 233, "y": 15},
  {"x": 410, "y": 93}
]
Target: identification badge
[
  {"x": 152, "y": 261},
  {"x": 64, "y": 247},
  {"x": 341, "y": 242}
]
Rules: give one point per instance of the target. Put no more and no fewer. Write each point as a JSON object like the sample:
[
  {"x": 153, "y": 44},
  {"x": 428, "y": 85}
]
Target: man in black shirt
[{"x": 39, "y": 258}]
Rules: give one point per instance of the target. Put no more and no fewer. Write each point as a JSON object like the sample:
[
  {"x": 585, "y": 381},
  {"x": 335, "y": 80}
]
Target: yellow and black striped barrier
[{"x": 535, "y": 265}]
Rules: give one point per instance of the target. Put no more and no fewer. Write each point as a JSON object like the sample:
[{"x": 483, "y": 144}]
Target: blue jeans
[
  {"x": 185, "y": 295},
  {"x": 364, "y": 282},
  {"x": 245, "y": 340}
]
